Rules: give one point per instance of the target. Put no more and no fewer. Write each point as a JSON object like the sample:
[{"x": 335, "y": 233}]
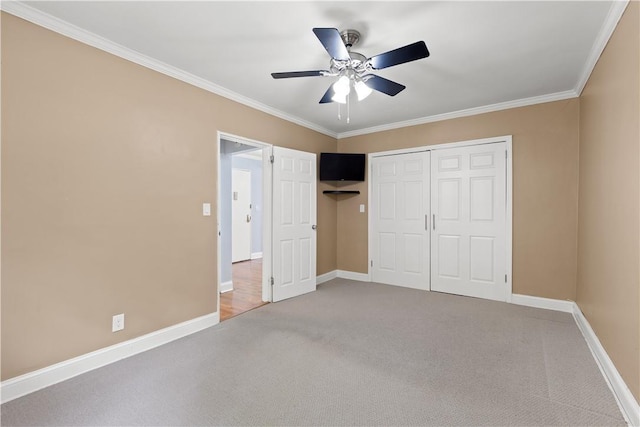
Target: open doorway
[{"x": 243, "y": 212}]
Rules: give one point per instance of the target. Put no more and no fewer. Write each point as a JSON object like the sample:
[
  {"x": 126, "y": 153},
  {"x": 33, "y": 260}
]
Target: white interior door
[
  {"x": 294, "y": 223},
  {"x": 400, "y": 215},
  {"x": 240, "y": 215},
  {"x": 468, "y": 240}
]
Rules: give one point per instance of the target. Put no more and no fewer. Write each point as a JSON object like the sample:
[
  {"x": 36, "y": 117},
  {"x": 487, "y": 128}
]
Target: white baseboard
[
  {"x": 256, "y": 255},
  {"x": 36, "y": 380},
  {"x": 326, "y": 277},
  {"x": 352, "y": 275},
  {"x": 343, "y": 274},
  {"x": 226, "y": 286},
  {"x": 546, "y": 303},
  {"x": 628, "y": 404}
]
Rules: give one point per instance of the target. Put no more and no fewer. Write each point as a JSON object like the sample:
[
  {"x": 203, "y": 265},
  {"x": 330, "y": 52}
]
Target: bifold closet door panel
[
  {"x": 400, "y": 219},
  {"x": 468, "y": 236}
]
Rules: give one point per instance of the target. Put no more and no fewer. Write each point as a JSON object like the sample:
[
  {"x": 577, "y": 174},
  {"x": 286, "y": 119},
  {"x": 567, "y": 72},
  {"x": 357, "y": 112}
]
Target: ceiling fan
[{"x": 353, "y": 67}]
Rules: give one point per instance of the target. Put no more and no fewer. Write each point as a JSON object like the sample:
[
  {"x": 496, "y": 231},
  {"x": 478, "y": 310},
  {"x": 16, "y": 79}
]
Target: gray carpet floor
[{"x": 350, "y": 353}]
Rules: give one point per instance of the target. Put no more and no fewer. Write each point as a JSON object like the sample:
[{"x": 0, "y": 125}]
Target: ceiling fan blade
[
  {"x": 327, "y": 95},
  {"x": 332, "y": 42},
  {"x": 383, "y": 85},
  {"x": 314, "y": 73},
  {"x": 408, "y": 53}
]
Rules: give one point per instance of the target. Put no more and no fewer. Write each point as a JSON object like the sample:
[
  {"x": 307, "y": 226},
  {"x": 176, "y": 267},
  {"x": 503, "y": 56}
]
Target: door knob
[
  {"x": 313, "y": 227},
  {"x": 248, "y": 218}
]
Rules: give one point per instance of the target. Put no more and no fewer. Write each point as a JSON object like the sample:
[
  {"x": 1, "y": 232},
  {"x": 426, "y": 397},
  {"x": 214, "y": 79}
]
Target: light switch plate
[
  {"x": 206, "y": 209},
  {"x": 361, "y": 208}
]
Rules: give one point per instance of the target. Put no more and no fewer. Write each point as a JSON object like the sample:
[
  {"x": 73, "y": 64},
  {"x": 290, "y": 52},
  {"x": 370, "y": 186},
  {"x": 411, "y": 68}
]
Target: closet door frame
[{"x": 507, "y": 139}]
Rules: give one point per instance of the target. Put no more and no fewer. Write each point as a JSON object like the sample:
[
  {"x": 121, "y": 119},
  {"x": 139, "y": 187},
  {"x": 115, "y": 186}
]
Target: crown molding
[
  {"x": 35, "y": 16},
  {"x": 558, "y": 96},
  {"x": 57, "y": 25},
  {"x": 608, "y": 27}
]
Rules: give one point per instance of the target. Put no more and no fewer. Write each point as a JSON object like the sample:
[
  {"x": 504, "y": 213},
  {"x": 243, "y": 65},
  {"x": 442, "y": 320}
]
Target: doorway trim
[
  {"x": 267, "y": 174},
  {"x": 507, "y": 139}
]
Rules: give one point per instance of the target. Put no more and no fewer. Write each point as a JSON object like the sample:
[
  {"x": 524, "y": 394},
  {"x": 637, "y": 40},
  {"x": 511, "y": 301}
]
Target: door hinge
[
  {"x": 271, "y": 158},
  {"x": 371, "y": 263},
  {"x": 505, "y": 278},
  {"x": 271, "y": 281}
]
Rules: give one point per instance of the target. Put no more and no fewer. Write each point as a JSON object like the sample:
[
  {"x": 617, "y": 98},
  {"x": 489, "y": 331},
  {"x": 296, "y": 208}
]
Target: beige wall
[
  {"x": 545, "y": 190},
  {"x": 608, "y": 250},
  {"x": 105, "y": 166}
]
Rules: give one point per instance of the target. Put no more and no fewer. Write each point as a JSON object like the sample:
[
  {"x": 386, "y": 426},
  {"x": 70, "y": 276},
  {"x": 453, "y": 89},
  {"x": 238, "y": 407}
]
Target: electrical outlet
[{"x": 118, "y": 323}]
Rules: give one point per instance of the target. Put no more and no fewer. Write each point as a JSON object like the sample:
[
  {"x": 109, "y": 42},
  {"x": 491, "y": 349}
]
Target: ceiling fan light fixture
[
  {"x": 341, "y": 90},
  {"x": 342, "y": 86},
  {"x": 362, "y": 90},
  {"x": 340, "y": 99}
]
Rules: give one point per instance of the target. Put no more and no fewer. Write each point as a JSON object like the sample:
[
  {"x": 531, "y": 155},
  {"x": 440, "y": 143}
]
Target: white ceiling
[{"x": 484, "y": 55}]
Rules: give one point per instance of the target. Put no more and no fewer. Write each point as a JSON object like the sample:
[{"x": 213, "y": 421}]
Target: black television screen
[{"x": 342, "y": 167}]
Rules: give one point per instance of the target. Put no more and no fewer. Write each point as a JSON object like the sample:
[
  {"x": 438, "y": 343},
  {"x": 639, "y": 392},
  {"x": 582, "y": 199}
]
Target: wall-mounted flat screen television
[{"x": 342, "y": 167}]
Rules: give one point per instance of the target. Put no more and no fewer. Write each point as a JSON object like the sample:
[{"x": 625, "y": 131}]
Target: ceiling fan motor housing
[
  {"x": 350, "y": 38},
  {"x": 358, "y": 62}
]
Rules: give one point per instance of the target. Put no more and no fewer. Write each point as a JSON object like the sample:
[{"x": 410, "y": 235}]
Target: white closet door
[
  {"x": 400, "y": 213},
  {"x": 294, "y": 223},
  {"x": 468, "y": 239}
]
